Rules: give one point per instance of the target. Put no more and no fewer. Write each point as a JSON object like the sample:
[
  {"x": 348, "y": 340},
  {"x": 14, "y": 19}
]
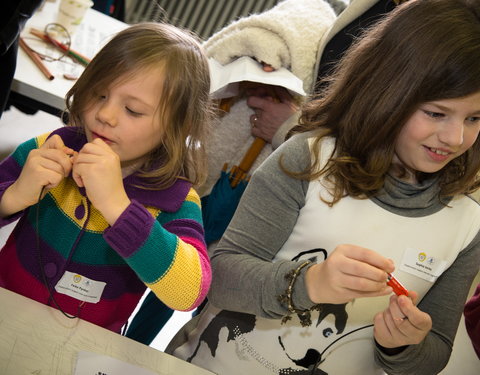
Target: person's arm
[
  {"x": 10, "y": 169},
  {"x": 472, "y": 319},
  {"x": 444, "y": 303},
  {"x": 267, "y": 213},
  {"x": 15, "y": 15},
  {"x": 168, "y": 253},
  {"x": 33, "y": 165},
  {"x": 244, "y": 277}
]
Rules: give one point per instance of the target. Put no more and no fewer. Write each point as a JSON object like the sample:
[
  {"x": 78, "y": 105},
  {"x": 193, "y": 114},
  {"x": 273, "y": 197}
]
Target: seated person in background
[
  {"x": 13, "y": 17},
  {"x": 374, "y": 180},
  {"x": 472, "y": 319},
  {"x": 286, "y": 36},
  {"x": 107, "y": 202},
  {"x": 359, "y": 15}
]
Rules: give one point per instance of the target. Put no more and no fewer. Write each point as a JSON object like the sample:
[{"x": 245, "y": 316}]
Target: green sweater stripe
[
  {"x": 159, "y": 255},
  {"x": 70, "y": 231}
]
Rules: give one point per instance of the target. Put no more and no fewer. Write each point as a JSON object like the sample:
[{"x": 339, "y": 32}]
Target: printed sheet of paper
[
  {"x": 97, "y": 364},
  {"x": 225, "y": 78}
]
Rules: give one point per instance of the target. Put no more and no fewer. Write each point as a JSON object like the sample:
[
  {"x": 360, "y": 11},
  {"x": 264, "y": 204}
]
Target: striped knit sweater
[{"x": 157, "y": 243}]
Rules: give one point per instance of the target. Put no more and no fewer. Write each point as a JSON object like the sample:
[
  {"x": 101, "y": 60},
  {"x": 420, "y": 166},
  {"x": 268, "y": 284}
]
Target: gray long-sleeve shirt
[{"x": 279, "y": 217}]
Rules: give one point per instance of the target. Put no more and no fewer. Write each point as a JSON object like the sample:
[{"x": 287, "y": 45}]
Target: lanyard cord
[{"x": 40, "y": 263}]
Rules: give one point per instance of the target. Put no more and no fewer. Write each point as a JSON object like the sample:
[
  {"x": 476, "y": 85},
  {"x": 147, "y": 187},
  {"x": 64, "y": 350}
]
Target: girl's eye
[
  {"x": 133, "y": 113},
  {"x": 473, "y": 119},
  {"x": 433, "y": 114}
]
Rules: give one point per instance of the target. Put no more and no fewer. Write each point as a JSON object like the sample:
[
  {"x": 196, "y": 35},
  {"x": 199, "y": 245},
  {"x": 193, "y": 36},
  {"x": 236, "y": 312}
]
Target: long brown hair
[
  {"x": 184, "y": 102},
  {"x": 424, "y": 50}
]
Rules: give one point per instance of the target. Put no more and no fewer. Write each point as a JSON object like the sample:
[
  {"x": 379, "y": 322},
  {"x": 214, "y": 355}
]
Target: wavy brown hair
[
  {"x": 424, "y": 50},
  {"x": 184, "y": 102}
]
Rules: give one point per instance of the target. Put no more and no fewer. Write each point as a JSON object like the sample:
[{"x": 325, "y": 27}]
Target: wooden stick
[
  {"x": 70, "y": 52},
  {"x": 247, "y": 161},
  {"x": 252, "y": 154},
  {"x": 35, "y": 58}
]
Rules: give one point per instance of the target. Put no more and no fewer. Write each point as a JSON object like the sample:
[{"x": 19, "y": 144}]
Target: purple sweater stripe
[
  {"x": 119, "y": 278},
  {"x": 132, "y": 228},
  {"x": 185, "y": 228}
]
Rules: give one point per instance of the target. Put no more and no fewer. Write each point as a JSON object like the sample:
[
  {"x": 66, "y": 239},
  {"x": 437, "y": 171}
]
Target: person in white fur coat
[
  {"x": 356, "y": 17},
  {"x": 286, "y": 36}
]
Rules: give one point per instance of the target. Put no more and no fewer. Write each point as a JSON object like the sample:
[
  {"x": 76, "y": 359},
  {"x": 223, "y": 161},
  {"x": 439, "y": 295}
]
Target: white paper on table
[
  {"x": 225, "y": 78},
  {"x": 92, "y": 363}
]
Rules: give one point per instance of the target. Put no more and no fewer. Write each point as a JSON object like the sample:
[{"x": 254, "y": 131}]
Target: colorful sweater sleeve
[
  {"x": 167, "y": 252},
  {"x": 10, "y": 169}
]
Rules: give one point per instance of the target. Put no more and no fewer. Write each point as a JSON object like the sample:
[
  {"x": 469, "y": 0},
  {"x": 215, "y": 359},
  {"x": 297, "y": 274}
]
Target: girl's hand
[
  {"x": 402, "y": 323},
  {"x": 97, "y": 168},
  {"x": 45, "y": 166},
  {"x": 349, "y": 272}
]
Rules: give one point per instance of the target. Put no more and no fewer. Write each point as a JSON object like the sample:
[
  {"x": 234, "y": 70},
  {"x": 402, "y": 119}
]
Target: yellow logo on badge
[
  {"x": 77, "y": 278},
  {"x": 422, "y": 257}
]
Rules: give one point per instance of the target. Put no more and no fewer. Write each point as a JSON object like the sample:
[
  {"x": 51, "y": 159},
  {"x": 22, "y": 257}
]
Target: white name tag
[
  {"x": 421, "y": 264},
  {"x": 80, "y": 287}
]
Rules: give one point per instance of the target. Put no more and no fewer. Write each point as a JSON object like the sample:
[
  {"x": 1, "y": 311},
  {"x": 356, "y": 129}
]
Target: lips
[
  {"x": 437, "y": 154},
  {"x": 105, "y": 139}
]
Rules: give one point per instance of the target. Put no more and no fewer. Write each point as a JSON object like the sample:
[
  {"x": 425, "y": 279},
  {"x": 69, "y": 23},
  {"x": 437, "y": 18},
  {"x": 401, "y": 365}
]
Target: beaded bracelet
[{"x": 286, "y": 299}]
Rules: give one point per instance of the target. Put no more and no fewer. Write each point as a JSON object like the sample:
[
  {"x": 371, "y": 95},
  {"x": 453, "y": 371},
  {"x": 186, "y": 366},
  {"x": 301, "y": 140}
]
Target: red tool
[{"x": 398, "y": 288}]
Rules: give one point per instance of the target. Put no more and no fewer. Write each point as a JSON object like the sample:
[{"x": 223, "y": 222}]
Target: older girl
[{"x": 375, "y": 183}]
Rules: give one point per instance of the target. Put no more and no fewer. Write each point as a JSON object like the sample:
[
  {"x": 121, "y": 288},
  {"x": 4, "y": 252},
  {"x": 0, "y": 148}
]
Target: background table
[
  {"x": 29, "y": 82},
  {"x": 38, "y": 339}
]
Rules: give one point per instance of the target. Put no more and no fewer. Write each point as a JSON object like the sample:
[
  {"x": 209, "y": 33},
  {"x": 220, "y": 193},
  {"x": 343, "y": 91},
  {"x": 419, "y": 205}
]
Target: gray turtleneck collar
[{"x": 412, "y": 200}]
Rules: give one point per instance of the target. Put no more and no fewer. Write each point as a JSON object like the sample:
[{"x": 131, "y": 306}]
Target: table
[
  {"x": 32, "y": 86},
  {"x": 38, "y": 339}
]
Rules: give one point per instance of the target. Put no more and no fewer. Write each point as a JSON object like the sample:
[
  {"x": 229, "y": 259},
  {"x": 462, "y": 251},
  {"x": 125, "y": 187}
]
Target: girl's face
[
  {"x": 125, "y": 116},
  {"x": 437, "y": 133}
]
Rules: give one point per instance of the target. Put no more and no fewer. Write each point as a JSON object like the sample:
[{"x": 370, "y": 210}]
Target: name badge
[
  {"x": 80, "y": 287},
  {"x": 420, "y": 263}
]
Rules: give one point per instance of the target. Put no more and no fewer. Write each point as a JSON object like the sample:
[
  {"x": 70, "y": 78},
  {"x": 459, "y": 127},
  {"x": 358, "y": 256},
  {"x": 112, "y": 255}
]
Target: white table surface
[
  {"x": 94, "y": 31},
  {"x": 38, "y": 339}
]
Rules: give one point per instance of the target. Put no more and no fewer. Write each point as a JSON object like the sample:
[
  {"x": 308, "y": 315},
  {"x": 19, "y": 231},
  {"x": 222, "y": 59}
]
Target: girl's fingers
[
  {"x": 379, "y": 264},
  {"x": 54, "y": 142},
  {"x": 395, "y": 310},
  {"x": 78, "y": 179},
  {"x": 359, "y": 270},
  {"x": 362, "y": 285}
]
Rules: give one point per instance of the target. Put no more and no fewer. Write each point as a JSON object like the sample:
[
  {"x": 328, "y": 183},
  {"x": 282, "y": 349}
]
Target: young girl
[
  {"x": 375, "y": 184},
  {"x": 106, "y": 205}
]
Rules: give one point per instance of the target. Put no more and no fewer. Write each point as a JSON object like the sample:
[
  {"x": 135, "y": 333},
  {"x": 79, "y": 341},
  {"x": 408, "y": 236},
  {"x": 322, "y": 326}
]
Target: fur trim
[{"x": 286, "y": 36}]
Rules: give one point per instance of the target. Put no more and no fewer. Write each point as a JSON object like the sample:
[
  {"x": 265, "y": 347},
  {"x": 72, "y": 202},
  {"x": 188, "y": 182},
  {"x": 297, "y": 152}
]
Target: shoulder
[
  {"x": 295, "y": 152},
  {"x": 464, "y": 211},
  {"x": 72, "y": 137},
  {"x": 169, "y": 199}
]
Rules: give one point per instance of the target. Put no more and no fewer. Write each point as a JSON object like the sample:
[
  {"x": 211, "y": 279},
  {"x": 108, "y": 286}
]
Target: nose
[
  {"x": 107, "y": 113},
  {"x": 452, "y": 133}
]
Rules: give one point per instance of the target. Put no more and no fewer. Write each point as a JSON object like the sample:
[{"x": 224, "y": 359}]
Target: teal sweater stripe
[
  {"x": 189, "y": 209},
  {"x": 161, "y": 255},
  {"x": 69, "y": 230},
  {"x": 21, "y": 153}
]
